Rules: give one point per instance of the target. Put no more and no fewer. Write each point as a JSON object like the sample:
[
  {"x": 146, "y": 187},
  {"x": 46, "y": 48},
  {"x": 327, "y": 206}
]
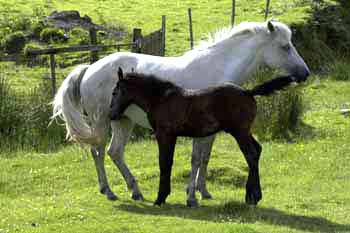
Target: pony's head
[
  {"x": 120, "y": 99},
  {"x": 280, "y": 53}
]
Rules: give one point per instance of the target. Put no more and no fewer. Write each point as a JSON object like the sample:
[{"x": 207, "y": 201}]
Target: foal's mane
[{"x": 152, "y": 83}]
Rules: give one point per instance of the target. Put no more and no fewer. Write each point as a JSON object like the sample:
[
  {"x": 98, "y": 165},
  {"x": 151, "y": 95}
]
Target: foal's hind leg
[
  {"x": 166, "y": 146},
  {"x": 98, "y": 154},
  {"x": 203, "y": 146},
  {"x": 251, "y": 150},
  {"x": 121, "y": 131}
]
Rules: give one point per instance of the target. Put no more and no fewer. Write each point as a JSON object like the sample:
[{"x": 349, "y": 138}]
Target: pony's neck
[{"x": 232, "y": 60}]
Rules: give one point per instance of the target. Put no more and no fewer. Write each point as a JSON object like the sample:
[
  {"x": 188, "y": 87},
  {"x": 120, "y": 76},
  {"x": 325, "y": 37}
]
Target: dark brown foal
[{"x": 173, "y": 111}]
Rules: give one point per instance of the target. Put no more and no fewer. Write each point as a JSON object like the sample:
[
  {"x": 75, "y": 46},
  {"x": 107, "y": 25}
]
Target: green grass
[
  {"x": 305, "y": 184},
  {"x": 207, "y": 15}
]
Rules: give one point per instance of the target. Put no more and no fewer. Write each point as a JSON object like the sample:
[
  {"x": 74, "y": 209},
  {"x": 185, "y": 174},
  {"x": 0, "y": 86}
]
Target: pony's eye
[{"x": 286, "y": 47}]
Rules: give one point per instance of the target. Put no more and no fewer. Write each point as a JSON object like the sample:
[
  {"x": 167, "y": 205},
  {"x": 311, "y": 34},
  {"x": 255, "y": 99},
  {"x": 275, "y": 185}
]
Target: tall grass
[
  {"x": 25, "y": 118},
  {"x": 279, "y": 114}
]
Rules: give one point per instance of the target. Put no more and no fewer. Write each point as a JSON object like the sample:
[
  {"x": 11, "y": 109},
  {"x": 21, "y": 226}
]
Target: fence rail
[{"x": 76, "y": 48}]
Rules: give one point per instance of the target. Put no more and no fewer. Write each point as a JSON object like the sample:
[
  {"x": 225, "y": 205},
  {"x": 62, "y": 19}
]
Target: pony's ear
[
  {"x": 270, "y": 26},
  {"x": 120, "y": 73}
]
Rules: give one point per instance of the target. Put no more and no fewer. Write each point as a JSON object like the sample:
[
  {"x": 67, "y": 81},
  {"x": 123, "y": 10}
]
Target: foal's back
[{"x": 204, "y": 112}]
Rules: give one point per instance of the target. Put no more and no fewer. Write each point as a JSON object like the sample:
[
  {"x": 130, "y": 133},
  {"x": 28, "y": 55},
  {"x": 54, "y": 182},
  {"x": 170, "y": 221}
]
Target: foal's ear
[
  {"x": 270, "y": 26},
  {"x": 169, "y": 92},
  {"x": 120, "y": 73}
]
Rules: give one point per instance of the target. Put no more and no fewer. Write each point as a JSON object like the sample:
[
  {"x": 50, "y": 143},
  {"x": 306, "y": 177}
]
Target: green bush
[
  {"x": 52, "y": 35},
  {"x": 279, "y": 114},
  {"x": 36, "y": 29},
  {"x": 14, "y": 42},
  {"x": 340, "y": 70},
  {"x": 79, "y": 36},
  {"x": 24, "y": 119}
]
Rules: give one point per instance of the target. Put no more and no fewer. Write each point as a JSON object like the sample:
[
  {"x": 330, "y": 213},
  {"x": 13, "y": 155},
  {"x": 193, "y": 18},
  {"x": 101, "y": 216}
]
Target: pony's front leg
[
  {"x": 121, "y": 131},
  {"x": 202, "y": 148},
  {"x": 98, "y": 154},
  {"x": 166, "y": 146}
]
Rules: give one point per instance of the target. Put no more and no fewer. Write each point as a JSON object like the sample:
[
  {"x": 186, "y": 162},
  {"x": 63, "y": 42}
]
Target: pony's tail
[
  {"x": 67, "y": 106},
  {"x": 269, "y": 87}
]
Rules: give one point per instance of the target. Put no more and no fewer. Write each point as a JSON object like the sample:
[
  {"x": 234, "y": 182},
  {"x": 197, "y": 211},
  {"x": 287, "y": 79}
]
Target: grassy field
[
  {"x": 305, "y": 184},
  {"x": 207, "y": 16}
]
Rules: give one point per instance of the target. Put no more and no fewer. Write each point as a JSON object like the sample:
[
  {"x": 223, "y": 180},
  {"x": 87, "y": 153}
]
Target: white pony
[{"x": 83, "y": 100}]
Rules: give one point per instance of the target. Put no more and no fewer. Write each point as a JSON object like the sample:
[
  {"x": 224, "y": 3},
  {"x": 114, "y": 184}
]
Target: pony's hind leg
[
  {"x": 191, "y": 188},
  {"x": 251, "y": 150},
  {"x": 121, "y": 131},
  {"x": 98, "y": 154},
  {"x": 202, "y": 148}
]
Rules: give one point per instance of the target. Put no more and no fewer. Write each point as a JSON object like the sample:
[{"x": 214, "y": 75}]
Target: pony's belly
[{"x": 137, "y": 115}]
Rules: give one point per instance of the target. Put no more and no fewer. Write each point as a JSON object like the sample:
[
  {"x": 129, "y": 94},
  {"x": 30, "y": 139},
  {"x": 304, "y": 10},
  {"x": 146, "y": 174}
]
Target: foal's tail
[
  {"x": 269, "y": 87},
  {"x": 67, "y": 106}
]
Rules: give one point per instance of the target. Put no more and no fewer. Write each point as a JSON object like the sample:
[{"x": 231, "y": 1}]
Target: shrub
[
  {"x": 79, "y": 36},
  {"x": 340, "y": 70},
  {"x": 279, "y": 114},
  {"x": 14, "y": 42},
  {"x": 52, "y": 35},
  {"x": 36, "y": 29},
  {"x": 24, "y": 120}
]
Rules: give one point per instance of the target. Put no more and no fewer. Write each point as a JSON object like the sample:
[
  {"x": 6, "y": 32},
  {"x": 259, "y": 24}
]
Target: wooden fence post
[
  {"x": 233, "y": 13},
  {"x": 137, "y": 39},
  {"x": 93, "y": 41},
  {"x": 162, "y": 48},
  {"x": 190, "y": 26},
  {"x": 267, "y": 9},
  {"x": 53, "y": 73}
]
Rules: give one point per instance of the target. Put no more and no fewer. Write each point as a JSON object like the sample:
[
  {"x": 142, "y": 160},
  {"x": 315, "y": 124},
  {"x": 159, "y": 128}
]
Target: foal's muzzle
[{"x": 114, "y": 116}]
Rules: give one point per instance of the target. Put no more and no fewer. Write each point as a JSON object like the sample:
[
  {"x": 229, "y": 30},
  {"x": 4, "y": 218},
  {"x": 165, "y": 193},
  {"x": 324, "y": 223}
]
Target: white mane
[{"x": 243, "y": 29}]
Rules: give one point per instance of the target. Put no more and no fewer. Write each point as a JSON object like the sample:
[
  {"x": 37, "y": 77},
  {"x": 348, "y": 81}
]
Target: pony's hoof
[
  {"x": 111, "y": 196},
  {"x": 137, "y": 197},
  {"x": 192, "y": 203},
  {"x": 206, "y": 195}
]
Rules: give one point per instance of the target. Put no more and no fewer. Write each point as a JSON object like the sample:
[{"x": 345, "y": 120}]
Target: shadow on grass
[
  {"x": 238, "y": 212},
  {"x": 220, "y": 175}
]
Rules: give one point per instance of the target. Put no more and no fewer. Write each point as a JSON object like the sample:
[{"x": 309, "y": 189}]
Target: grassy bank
[{"x": 304, "y": 184}]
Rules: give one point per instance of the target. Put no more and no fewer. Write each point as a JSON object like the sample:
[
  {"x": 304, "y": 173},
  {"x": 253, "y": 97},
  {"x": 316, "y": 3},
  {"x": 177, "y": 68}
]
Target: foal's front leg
[
  {"x": 166, "y": 146},
  {"x": 251, "y": 150}
]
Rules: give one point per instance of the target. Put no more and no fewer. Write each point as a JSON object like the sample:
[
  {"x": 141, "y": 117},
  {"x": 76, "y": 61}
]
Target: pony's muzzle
[{"x": 301, "y": 74}]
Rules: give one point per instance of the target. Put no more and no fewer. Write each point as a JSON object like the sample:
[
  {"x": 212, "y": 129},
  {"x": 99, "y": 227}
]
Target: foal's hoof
[
  {"x": 252, "y": 198},
  {"x": 137, "y": 197},
  {"x": 159, "y": 202},
  {"x": 192, "y": 203}
]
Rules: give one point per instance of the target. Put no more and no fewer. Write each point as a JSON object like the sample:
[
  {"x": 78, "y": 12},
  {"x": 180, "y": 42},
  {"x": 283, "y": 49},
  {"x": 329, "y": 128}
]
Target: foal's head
[{"x": 138, "y": 89}]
